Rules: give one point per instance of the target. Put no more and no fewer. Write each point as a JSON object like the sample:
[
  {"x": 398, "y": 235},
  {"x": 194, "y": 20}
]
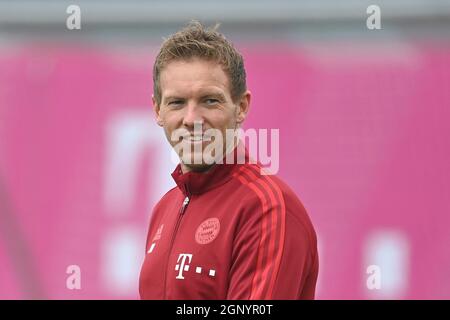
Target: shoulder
[
  {"x": 168, "y": 196},
  {"x": 260, "y": 184},
  {"x": 272, "y": 194},
  {"x": 166, "y": 200}
]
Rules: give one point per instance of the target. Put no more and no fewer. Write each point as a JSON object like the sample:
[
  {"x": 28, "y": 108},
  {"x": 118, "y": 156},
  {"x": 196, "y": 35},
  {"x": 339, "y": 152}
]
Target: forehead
[{"x": 188, "y": 77}]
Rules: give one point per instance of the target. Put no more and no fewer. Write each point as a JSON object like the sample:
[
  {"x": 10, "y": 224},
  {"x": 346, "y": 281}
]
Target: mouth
[{"x": 197, "y": 138}]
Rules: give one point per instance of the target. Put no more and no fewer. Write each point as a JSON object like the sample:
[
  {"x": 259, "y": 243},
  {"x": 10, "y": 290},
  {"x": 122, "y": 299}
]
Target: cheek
[
  {"x": 223, "y": 120},
  {"x": 171, "y": 121}
]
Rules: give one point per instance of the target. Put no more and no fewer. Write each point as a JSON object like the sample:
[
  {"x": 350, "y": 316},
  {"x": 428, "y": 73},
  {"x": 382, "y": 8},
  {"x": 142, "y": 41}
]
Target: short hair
[{"x": 196, "y": 41}]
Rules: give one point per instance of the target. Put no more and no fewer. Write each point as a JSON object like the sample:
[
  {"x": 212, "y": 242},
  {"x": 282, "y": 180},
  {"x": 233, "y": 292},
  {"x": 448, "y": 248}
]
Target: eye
[
  {"x": 175, "y": 103},
  {"x": 211, "y": 101}
]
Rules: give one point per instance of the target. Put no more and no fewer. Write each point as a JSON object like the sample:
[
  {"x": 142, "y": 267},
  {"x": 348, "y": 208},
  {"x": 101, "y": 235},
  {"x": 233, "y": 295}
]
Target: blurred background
[{"x": 364, "y": 137}]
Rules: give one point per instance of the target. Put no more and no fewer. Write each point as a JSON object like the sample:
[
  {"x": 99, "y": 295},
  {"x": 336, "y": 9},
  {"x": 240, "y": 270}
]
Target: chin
[
  {"x": 199, "y": 167},
  {"x": 188, "y": 162}
]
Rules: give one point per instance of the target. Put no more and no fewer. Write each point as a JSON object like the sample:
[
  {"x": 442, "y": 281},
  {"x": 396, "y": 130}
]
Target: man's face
[{"x": 197, "y": 92}]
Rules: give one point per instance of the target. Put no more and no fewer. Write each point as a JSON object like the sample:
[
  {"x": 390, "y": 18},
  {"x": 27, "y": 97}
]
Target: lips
[{"x": 197, "y": 138}]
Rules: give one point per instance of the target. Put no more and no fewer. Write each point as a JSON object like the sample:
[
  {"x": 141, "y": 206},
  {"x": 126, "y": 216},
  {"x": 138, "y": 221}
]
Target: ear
[
  {"x": 157, "y": 109},
  {"x": 243, "y": 107}
]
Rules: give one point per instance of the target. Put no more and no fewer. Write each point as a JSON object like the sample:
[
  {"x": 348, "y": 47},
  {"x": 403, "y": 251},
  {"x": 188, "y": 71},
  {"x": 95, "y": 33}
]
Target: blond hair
[{"x": 196, "y": 41}]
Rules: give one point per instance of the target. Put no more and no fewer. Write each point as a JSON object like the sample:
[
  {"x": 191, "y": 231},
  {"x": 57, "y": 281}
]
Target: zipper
[
  {"x": 180, "y": 216},
  {"x": 184, "y": 206}
]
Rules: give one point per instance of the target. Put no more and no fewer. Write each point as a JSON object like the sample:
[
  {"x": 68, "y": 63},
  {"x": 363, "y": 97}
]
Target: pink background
[{"x": 364, "y": 142}]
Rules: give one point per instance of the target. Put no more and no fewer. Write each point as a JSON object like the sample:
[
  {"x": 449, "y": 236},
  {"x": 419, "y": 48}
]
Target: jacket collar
[{"x": 197, "y": 182}]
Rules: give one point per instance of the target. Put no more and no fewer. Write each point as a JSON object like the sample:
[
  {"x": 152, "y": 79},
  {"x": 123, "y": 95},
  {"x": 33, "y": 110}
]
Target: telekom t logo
[{"x": 182, "y": 265}]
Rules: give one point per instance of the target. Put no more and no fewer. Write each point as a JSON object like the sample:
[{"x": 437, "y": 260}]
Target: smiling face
[{"x": 197, "y": 91}]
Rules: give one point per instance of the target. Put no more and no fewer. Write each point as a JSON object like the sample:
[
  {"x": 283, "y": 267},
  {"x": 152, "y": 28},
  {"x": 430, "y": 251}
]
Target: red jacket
[{"x": 230, "y": 233}]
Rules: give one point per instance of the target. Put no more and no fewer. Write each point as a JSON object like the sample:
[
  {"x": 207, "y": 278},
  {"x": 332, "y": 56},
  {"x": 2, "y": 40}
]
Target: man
[{"x": 227, "y": 230}]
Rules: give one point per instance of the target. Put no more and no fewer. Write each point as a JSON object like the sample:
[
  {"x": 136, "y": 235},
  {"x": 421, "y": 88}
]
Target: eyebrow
[
  {"x": 172, "y": 98},
  {"x": 217, "y": 95}
]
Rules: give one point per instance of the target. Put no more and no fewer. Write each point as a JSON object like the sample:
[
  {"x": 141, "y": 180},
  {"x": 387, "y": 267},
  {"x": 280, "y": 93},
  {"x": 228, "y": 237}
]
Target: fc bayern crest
[{"x": 207, "y": 231}]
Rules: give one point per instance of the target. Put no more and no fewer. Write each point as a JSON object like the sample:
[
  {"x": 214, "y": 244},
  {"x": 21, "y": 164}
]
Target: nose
[{"x": 192, "y": 116}]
